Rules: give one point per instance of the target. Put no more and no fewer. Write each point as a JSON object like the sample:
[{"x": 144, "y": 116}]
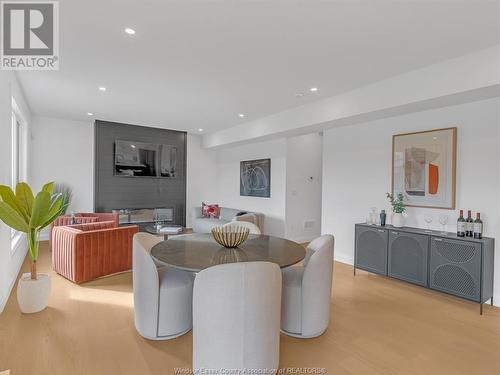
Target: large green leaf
[
  {"x": 10, "y": 198},
  {"x": 12, "y": 218},
  {"x": 25, "y": 196},
  {"x": 48, "y": 187},
  {"x": 56, "y": 210},
  {"x": 41, "y": 207}
]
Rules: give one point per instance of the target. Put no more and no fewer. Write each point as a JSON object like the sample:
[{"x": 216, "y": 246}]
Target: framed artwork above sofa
[{"x": 255, "y": 178}]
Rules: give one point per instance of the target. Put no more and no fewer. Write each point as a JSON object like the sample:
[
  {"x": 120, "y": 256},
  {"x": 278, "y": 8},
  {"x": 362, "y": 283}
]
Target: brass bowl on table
[{"x": 231, "y": 236}]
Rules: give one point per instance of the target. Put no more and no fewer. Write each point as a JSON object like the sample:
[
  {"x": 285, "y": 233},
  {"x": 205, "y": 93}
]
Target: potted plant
[
  {"x": 29, "y": 214},
  {"x": 398, "y": 208}
]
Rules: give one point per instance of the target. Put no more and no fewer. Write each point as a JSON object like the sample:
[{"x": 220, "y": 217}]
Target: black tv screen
[{"x": 138, "y": 159}]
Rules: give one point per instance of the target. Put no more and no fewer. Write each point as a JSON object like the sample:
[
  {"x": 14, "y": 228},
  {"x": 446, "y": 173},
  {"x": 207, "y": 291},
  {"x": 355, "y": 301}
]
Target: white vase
[
  {"x": 398, "y": 220},
  {"x": 33, "y": 295}
]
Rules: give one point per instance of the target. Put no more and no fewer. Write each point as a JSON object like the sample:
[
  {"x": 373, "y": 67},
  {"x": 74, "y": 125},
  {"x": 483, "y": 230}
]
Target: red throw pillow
[{"x": 210, "y": 210}]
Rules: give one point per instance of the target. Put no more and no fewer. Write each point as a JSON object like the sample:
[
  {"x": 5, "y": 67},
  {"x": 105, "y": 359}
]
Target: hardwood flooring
[{"x": 378, "y": 326}]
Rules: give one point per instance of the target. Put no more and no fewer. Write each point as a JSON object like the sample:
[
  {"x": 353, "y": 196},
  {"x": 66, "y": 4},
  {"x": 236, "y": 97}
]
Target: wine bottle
[
  {"x": 469, "y": 224},
  {"x": 461, "y": 225},
  {"x": 478, "y": 226}
]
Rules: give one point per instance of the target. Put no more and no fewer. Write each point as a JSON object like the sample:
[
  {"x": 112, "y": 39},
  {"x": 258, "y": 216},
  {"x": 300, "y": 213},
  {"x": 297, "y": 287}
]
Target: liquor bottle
[
  {"x": 461, "y": 225},
  {"x": 383, "y": 217},
  {"x": 478, "y": 226},
  {"x": 72, "y": 220},
  {"x": 469, "y": 224}
]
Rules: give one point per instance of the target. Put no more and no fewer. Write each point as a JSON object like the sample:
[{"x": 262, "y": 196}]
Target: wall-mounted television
[{"x": 138, "y": 159}]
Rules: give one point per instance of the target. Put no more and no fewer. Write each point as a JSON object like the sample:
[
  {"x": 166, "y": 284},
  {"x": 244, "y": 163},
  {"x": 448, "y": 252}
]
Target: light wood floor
[{"x": 378, "y": 326}]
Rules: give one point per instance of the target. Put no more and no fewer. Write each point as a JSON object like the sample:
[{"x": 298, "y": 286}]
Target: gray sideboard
[{"x": 460, "y": 266}]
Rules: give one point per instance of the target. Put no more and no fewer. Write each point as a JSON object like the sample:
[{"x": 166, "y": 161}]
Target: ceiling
[{"x": 198, "y": 64}]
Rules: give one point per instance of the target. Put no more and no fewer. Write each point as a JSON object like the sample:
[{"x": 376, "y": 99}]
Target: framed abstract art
[
  {"x": 424, "y": 167},
  {"x": 255, "y": 178}
]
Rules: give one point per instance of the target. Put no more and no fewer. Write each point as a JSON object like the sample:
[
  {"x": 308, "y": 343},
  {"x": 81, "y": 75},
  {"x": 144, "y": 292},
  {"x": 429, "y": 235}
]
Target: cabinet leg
[
  {"x": 491, "y": 301},
  {"x": 481, "y": 309},
  {"x": 354, "y": 270}
]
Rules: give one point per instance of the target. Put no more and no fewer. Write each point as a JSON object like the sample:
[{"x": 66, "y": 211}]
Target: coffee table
[{"x": 153, "y": 229}]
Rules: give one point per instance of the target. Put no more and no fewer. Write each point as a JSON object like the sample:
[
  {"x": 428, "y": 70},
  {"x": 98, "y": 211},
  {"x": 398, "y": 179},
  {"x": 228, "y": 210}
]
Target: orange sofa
[
  {"x": 84, "y": 252},
  {"x": 82, "y": 218}
]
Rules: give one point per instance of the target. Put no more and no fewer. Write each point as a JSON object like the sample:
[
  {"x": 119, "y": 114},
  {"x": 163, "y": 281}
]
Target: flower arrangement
[{"x": 397, "y": 203}]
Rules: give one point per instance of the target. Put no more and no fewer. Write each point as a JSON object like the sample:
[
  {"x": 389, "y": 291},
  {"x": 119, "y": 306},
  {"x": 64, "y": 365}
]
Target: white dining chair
[
  {"x": 163, "y": 296},
  {"x": 254, "y": 229},
  {"x": 236, "y": 317},
  {"x": 306, "y": 297}
]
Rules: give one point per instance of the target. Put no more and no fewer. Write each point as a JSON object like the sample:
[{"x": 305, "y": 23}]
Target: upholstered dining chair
[
  {"x": 306, "y": 297},
  {"x": 254, "y": 229},
  {"x": 163, "y": 296},
  {"x": 236, "y": 317}
]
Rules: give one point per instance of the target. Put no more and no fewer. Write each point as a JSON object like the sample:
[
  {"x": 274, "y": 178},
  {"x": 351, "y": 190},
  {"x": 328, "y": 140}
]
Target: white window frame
[{"x": 19, "y": 159}]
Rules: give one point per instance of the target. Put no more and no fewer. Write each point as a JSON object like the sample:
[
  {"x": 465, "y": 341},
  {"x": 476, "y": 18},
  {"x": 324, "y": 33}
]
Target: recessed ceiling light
[
  {"x": 241, "y": 115},
  {"x": 130, "y": 31},
  {"x": 133, "y": 146},
  {"x": 313, "y": 89},
  {"x": 200, "y": 129},
  {"x": 90, "y": 114},
  {"x": 102, "y": 88}
]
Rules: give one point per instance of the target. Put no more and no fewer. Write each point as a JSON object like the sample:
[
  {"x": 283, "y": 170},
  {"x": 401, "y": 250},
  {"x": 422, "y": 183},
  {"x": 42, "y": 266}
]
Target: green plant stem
[{"x": 33, "y": 251}]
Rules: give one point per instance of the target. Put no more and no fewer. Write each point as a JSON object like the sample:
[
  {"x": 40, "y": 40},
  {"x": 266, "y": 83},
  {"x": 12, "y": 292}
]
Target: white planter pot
[
  {"x": 33, "y": 295},
  {"x": 398, "y": 220}
]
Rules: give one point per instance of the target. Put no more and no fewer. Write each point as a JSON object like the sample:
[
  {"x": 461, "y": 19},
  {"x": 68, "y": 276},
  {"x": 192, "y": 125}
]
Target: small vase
[
  {"x": 398, "y": 220},
  {"x": 33, "y": 295}
]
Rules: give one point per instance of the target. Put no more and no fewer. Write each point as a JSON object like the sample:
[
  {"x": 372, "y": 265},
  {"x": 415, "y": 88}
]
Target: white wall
[
  {"x": 304, "y": 156},
  {"x": 227, "y": 181},
  {"x": 11, "y": 259},
  {"x": 357, "y": 171},
  {"x": 63, "y": 151},
  {"x": 201, "y": 177}
]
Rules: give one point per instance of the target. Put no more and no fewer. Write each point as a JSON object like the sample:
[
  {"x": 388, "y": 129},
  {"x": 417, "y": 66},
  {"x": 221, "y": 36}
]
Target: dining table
[{"x": 198, "y": 251}]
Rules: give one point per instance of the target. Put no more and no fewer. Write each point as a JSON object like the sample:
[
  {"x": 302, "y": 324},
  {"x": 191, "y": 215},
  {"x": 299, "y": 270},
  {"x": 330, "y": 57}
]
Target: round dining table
[{"x": 195, "y": 252}]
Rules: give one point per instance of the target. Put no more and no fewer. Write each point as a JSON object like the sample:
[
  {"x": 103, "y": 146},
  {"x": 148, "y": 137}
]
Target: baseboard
[
  {"x": 44, "y": 236},
  {"x": 496, "y": 300},
  {"x": 20, "y": 253},
  {"x": 347, "y": 259}
]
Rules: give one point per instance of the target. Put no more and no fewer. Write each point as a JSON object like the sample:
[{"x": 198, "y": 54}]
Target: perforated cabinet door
[
  {"x": 371, "y": 249},
  {"x": 408, "y": 257},
  {"x": 455, "y": 267}
]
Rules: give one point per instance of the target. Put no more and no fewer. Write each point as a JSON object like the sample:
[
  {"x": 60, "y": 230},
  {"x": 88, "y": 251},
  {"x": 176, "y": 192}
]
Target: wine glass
[
  {"x": 428, "y": 220},
  {"x": 443, "y": 220}
]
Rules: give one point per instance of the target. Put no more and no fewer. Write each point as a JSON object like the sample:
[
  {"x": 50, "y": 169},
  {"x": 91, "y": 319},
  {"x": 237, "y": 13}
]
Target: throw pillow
[{"x": 210, "y": 210}]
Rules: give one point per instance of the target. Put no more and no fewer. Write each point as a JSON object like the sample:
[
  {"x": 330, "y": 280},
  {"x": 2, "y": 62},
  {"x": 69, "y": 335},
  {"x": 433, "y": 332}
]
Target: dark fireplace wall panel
[{"x": 118, "y": 192}]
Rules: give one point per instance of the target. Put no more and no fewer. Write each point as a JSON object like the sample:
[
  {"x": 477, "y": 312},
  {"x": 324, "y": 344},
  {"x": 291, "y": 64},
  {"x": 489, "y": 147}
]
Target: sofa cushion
[
  {"x": 205, "y": 225},
  {"x": 210, "y": 210}
]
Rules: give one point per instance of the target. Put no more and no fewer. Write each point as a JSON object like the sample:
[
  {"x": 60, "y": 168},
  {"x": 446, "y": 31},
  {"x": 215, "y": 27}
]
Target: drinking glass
[
  {"x": 428, "y": 220},
  {"x": 443, "y": 220}
]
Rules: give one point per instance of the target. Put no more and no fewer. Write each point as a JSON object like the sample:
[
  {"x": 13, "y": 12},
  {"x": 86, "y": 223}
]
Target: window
[
  {"x": 18, "y": 169},
  {"x": 16, "y": 148}
]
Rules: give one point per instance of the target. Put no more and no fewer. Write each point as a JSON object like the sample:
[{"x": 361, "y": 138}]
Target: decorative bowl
[{"x": 230, "y": 237}]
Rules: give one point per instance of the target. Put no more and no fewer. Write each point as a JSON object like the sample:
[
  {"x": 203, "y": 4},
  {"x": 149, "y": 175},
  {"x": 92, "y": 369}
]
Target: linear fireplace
[{"x": 145, "y": 215}]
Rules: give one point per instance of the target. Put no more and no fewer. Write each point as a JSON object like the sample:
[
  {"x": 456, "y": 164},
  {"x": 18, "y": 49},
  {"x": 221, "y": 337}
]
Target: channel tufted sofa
[{"x": 84, "y": 252}]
